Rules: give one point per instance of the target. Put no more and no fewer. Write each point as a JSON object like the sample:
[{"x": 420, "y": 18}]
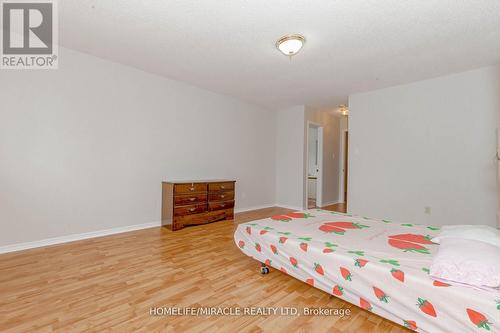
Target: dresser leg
[{"x": 176, "y": 226}]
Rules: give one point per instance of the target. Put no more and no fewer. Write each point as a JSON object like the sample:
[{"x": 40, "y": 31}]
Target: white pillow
[
  {"x": 483, "y": 233},
  {"x": 467, "y": 261}
]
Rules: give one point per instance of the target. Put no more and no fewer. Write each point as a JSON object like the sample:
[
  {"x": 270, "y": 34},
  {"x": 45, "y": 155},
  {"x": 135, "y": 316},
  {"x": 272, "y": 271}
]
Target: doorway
[{"x": 314, "y": 165}]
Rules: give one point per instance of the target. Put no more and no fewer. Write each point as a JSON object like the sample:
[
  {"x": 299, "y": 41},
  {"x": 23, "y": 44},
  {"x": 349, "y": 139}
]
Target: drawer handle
[
  {"x": 191, "y": 189},
  {"x": 222, "y": 196},
  {"x": 222, "y": 187},
  {"x": 192, "y": 199},
  {"x": 192, "y": 209},
  {"x": 223, "y": 205}
]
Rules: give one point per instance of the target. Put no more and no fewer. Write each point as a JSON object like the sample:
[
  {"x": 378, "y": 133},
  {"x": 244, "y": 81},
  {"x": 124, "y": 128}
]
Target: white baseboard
[
  {"x": 107, "y": 232},
  {"x": 76, "y": 237},
  {"x": 323, "y": 204},
  {"x": 241, "y": 210},
  {"x": 246, "y": 209},
  {"x": 289, "y": 207}
]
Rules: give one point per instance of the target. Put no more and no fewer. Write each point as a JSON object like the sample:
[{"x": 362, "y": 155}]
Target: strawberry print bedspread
[{"x": 380, "y": 266}]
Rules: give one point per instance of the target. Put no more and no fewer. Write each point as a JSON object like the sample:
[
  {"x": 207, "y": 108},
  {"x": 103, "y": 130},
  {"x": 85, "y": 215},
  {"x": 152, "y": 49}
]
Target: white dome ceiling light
[{"x": 290, "y": 45}]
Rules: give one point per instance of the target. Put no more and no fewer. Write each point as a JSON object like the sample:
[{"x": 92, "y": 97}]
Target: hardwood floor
[
  {"x": 109, "y": 284},
  {"x": 339, "y": 207}
]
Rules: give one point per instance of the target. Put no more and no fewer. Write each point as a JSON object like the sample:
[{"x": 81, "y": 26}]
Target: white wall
[
  {"x": 426, "y": 144},
  {"x": 85, "y": 147},
  {"x": 290, "y": 161},
  {"x": 331, "y": 153}
]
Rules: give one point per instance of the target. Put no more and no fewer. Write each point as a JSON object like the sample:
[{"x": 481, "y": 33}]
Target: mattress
[{"x": 379, "y": 265}]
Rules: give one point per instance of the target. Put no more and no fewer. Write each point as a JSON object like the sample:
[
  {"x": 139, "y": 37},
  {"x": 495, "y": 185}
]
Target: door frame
[
  {"x": 344, "y": 155},
  {"x": 319, "y": 178}
]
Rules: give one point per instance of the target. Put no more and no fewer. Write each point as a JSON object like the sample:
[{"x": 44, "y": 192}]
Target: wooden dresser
[{"x": 196, "y": 202}]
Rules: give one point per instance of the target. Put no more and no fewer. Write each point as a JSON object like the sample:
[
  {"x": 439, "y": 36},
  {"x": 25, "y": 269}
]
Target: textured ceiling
[{"x": 227, "y": 46}]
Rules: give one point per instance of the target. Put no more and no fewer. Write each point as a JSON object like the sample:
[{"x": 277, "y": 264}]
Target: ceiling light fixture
[
  {"x": 290, "y": 45},
  {"x": 343, "y": 110}
]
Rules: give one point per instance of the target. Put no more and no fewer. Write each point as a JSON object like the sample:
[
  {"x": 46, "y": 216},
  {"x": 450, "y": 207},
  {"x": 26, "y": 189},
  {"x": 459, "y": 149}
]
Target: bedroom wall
[
  {"x": 290, "y": 161},
  {"x": 331, "y": 153},
  {"x": 426, "y": 144},
  {"x": 85, "y": 148}
]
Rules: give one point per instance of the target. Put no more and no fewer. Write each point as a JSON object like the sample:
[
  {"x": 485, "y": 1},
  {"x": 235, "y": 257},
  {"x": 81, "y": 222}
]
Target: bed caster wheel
[{"x": 264, "y": 269}]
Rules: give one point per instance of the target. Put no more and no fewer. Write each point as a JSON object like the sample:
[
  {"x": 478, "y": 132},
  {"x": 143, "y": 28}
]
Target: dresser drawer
[
  {"x": 192, "y": 209},
  {"x": 212, "y": 187},
  {"x": 221, "y": 196},
  {"x": 190, "y": 199},
  {"x": 190, "y": 188},
  {"x": 220, "y": 205}
]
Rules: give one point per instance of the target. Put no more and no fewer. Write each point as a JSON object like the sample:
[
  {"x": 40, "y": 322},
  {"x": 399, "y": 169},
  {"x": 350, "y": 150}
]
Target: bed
[{"x": 379, "y": 265}]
